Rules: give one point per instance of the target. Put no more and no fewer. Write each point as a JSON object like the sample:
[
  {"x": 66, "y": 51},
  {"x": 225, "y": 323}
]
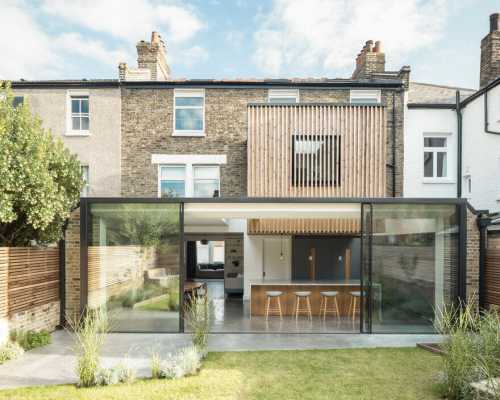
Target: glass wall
[
  {"x": 413, "y": 265},
  {"x": 133, "y": 265}
]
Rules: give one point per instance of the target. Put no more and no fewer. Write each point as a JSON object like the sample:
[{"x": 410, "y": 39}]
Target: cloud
[
  {"x": 192, "y": 56},
  {"x": 129, "y": 20},
  {"x": 235, "y": 38},
  {"x": 327, "y": 34}
]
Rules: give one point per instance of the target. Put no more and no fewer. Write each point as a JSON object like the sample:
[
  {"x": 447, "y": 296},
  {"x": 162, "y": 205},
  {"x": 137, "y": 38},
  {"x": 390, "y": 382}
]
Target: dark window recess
[
  {"x": 17, "y": 101},
  {"x": 316, "y": 160}
]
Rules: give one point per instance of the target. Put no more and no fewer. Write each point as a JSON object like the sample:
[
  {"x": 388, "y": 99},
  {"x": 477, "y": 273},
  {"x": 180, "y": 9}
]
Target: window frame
[
  {"x": 360, "y": 94},
  {"x": 188, "y": 93},
  {"x": 185, "y": 180},
  {"x": 283, "y": 94},
  {"x": 69, "y": 114},
  {"x": 435, "y": 150},
  {"x": 194, "y": 166}
]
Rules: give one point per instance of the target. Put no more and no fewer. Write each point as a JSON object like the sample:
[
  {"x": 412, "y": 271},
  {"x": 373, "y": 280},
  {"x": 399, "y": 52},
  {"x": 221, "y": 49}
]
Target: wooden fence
[
  {"x": 492, "y": 278},
  {"x": 31, "y": 276}
]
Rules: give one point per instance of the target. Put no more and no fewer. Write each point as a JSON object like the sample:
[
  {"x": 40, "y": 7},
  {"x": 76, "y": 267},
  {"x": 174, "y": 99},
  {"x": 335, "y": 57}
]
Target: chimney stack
[
  {"x": 490, "y": 52},
  {"x": 151, "y": 62},
  {"x": 370, "y": 60}
]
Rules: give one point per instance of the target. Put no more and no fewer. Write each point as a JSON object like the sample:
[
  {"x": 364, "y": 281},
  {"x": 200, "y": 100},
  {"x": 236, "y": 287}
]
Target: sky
[{"x": 61, "y": 39}]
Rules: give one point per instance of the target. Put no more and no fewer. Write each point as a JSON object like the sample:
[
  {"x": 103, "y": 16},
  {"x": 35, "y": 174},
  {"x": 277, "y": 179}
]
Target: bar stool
[
  {"x": 354, "y": 302},
  {"x": 276, "y": 310},
  {"x": 306, "y": 308},
  {"x": 323, "y": 308}
]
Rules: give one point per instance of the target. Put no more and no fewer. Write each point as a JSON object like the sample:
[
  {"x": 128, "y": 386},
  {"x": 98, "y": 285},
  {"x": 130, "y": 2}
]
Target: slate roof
[{"x": 428, "y": 93}]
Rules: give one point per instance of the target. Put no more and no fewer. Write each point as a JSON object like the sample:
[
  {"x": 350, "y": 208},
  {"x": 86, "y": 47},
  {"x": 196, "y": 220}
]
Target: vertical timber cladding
[{"x": 340, "y": 150}]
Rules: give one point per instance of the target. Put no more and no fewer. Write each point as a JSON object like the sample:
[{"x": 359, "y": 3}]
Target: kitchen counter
[{"x": 289, "y": 282}]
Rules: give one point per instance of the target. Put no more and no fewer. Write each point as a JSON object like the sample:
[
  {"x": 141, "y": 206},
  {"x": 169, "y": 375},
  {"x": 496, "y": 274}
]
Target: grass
[
  {"x": 159, "y": 305},
  {"x": 402, "y": 374}
]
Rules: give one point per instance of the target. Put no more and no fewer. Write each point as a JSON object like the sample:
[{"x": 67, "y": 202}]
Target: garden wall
[{"x": 29, "y": 289}]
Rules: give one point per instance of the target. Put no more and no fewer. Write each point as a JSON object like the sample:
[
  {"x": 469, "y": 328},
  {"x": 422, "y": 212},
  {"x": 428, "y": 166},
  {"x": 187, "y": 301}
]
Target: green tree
[{"x": 40, "y": 181}]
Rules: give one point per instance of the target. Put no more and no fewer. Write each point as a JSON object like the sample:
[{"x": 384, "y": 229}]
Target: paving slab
[{"x": 56, "y": 363}]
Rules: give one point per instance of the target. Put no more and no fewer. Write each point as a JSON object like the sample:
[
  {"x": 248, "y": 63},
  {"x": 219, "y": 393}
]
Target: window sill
[
  {"x": 77, "y": 133},
  {"x": 189, "y": 133},
  {"x": 438, "y": 180}
]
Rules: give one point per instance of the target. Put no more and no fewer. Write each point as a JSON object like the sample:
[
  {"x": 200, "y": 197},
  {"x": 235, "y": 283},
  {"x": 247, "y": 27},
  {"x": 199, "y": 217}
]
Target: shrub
[
  {"x": 90, "y": 333},
  {"x": 120, "y": 373},
  {"x": 189, "y": 360},
  {"x": 10, "y": 351},
  {"x": 156, "y": 372},
  {"x": 29, "y": 340},
  {"x": 198, "y": 312},
  {"x": 185, "y": 362}
]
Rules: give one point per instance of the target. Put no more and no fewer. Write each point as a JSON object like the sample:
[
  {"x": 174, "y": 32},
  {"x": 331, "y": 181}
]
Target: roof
[
  {"x": 428, "y": 93},
  {"x": 238, "y": 82}
]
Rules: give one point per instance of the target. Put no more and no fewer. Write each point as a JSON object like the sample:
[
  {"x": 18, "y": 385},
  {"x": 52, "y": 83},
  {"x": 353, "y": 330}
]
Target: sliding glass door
[{"x": 409, "y": 264}]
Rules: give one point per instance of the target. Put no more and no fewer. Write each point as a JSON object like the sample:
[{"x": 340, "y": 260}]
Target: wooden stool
[
  {"x": 323, "y": 308},
  {"x": 354, "y": 304},
  {"x": 306, "y": 308},
  {"x": 276, "y": 310}
]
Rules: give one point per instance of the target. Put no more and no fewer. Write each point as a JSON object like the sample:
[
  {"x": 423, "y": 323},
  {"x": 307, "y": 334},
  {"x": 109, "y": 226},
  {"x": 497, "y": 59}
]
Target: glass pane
[
  {"x": 133, "y": 267},
  {"x": 366, "y": 100},
  {"x": 414, "y": 265},
  {"x": 173, "y": 173},
  {"x": 173, "y": 189},
  {"x": 85, "y": 123},
  {"x": 189, "y": 101},
  {"x": 85, "y": 105},
  {"x": 428, "y": 164},
  {"x": 441, "y": 164},
  {"x": 286, "y": 100},
  {"x": 434, "y": 142},
  {"x": 366, "y": 215},
  {"x": 75, "y": 105},
  {"x": 75, "y": 123},
  {"x": 205, "y": 188},
  {"x": 206, "y": 172},
  {"x": 189, "y": 119}
]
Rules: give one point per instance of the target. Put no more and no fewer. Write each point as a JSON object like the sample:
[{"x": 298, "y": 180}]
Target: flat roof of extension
[{"x": 222, "y": 83}]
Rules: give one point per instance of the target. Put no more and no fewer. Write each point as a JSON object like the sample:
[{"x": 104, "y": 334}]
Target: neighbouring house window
[
  {"x": 173, "y": 181},
  {"x": 209, "y": 252},
  {"x": 365, "y": 96},
  {"x": 17, "y": 101},
  {"x": 283, "y": 96},
  {"x": 435, "y": 157},
  {"x": 79, "y": 113},
  {"x": 316, "y": 160},
  {"x": 189, "y": 112},
  {"x": 86, "y": 180},
  {"x": 206, "y": 182}
]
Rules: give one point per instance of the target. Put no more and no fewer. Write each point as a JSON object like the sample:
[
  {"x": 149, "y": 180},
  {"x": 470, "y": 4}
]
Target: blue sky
[{"x": 58, "y": 39}]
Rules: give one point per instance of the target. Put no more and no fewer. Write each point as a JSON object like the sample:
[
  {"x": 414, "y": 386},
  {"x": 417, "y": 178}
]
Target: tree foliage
[{"x": 40, "y": 180}]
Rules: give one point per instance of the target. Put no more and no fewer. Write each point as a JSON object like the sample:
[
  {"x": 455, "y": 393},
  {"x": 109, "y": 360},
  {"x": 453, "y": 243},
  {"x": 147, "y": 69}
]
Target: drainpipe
[
  {"x": 486, "y": 122},
  {"x": 459, "y": 144},
  {"x": 393, "y": 144}
]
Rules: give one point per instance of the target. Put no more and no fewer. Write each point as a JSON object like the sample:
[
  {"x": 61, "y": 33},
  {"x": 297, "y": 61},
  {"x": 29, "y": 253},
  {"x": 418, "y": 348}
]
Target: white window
[
  {"x": 85, "y": 176},
  {"x": 283, "y": 96},
  {"x": 209, "y": 252},
  {"x": 206, "y": 181},
  {"x": 365, "y": 96},
  {"x": 172, "y": 181},
  {"x": 435, "y": 157},
  {"x": 78, "y": 115},
  {"x": 189, "y": 112}
]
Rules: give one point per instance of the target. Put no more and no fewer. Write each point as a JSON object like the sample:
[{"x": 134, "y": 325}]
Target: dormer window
[
  {"x": 365, "y": 96},
  {"x": 283, "y": 96}
]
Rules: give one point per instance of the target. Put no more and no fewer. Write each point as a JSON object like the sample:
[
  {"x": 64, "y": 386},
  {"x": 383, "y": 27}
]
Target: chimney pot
[
  {"x": 494, "y": 22},
  {"x": 155, "y": 37},
  {"x": 378, "y": 47}
]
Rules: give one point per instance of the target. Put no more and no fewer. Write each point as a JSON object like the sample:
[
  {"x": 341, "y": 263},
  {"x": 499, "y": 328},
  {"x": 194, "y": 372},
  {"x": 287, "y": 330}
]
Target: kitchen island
[{"x": 258, "y": 297}]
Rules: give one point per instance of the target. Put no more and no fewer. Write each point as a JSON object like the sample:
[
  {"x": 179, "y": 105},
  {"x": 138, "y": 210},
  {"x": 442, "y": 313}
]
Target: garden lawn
[{"x": 408, "y": 373}]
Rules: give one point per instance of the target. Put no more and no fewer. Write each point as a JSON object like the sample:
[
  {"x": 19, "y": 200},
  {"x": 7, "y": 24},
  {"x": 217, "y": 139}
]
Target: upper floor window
[
  {"x": 189, "y": 112},
  {"x": 435, "y": 157},
  {"x": 365, "y": 96},
  {"x": 173, "y": 181},
  {"x": 85, "y": 176},
  {"x": 283, "y": 96},
  {"x": 316, "y": 160},
  {"x": 206, "y": 182},
  {"x": 79, "y": 114},
  {"x": 17, "y": 101}
]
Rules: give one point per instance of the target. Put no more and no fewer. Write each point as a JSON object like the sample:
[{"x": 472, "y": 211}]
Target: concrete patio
[{"x": 55, "y": 363}]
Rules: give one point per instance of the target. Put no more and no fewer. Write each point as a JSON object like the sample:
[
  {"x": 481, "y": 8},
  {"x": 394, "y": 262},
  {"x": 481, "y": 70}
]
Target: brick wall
[
  {"x": 45, "y": 316},
  {"x": 147, "y": 126},
  {"x": 472, "y": 279},
  {"x": 72, "y": 287}
]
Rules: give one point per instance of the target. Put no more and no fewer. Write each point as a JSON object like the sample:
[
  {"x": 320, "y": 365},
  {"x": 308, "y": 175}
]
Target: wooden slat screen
[
  {"x": 316, "y": 150},
  {"x": 492, "y": 277},
  {"x": 33, "y": 277},
  {"x": 303, "y": 226},
  {"x": 4, "y": 267}
]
